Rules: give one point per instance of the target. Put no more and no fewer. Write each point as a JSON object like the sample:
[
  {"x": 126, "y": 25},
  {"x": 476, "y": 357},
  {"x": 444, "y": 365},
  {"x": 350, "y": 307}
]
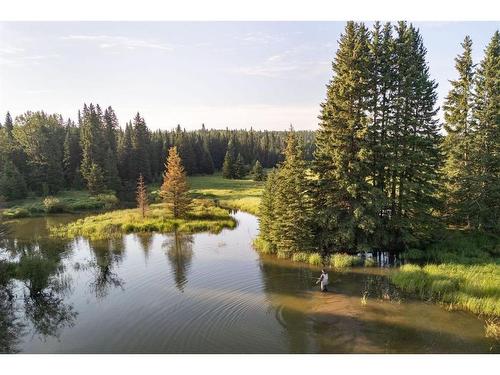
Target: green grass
[
  {"x": 300, "y": 257},
  {"x": 342, "y": 260},
  {"x": 66, "y": 201},
  {"x": 474, "y": 288},
  {"x": 203, "y": 217},
  {"x": 241, "y": 195}
]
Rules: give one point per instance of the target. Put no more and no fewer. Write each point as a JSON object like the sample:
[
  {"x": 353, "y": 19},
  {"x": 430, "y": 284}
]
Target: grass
[
  {"x": 342, "y": 260},
  {"x": 262, "y": 246},
  {"x": 315, "y": 259},
  {"x": 71, "y": 201},
  {"x": 474, "y": 288},
  {"x": 203, "y": 217},
  {"x": 241, "y": 195}
]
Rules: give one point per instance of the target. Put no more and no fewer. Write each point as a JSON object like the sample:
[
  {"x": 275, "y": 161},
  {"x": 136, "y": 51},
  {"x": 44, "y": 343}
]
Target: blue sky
[{"x": 237, "y": 74}]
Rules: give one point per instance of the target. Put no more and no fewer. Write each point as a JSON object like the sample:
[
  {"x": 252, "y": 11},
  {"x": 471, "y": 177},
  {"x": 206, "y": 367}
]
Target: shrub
[
  {"x": 283, "y": 254},
  {"x": 53, "y": 205},
  {"x": 370, "y": 262},
  {"x": 262, "y": 246},
  {"x": 315, "y": 259},
  {"x": 342, "y": 260},
  {"x": 109, "y": 200},
  {"x": 300, "y": 257},
  {"x": 15, "y": 213},
  {"x": 413, "y": 254}
]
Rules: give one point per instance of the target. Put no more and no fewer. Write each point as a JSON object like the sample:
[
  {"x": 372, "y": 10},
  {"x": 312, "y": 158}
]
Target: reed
[{"x": 342, "y": 260}]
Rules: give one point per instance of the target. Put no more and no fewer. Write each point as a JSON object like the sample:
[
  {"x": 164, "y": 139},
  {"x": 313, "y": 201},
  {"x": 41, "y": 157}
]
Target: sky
[{"x": 265, "y": 75}]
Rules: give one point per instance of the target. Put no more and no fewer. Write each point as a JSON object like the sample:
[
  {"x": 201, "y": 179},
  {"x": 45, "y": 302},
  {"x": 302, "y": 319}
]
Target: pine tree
[
  {"x": 487, "y": 138},
  {"x": 12, "y": 183},
  {"x": 140, "y": 147},
  {"x": 142, "y": 196},
  {"x": 175, "y": 190},
  {"x": 344, "y": 197},
  {"x": 268, "y": 228},
  {"x": 95, "y": 179},
  {"x": 228, "y": 168},
  {"x": 9, "y": 126},
  {"x": 239, "y": 167},
  {"x": 293, "y": 205},
  {"x": 459, "y": 125},
  {"x": 258, "y": 172}
]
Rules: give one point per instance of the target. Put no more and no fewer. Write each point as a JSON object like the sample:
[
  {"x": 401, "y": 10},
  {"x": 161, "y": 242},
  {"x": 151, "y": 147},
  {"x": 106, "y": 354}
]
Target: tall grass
[
  {"x": 473, "y": 288},
  {"x": 262, "y": 246},
  {"x": 203, "y": 217},
  {"x": 315, "y": 259},
  {"x": 342, "y": 260}
]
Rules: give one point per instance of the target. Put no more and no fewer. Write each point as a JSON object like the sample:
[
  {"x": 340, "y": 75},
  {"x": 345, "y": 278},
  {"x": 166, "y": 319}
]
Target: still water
[{"x": 206, "y": 293}]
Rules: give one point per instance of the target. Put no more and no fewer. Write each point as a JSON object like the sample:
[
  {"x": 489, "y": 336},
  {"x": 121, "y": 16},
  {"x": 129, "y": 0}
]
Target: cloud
[
  {"x": 16, "y": 56},
  {"x": 286, "y": 62},
  {"x": 109, "y": 41},
  {"x": 259, "y": 37}
]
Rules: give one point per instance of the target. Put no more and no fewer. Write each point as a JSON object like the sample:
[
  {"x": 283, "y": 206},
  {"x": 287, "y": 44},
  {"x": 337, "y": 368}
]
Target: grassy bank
[
  {"x": 241, "y": 195},
  {"x": 71, "y": 201},
  {"x": 474, "y": 288},
  {"x": 203, "y": 217}
]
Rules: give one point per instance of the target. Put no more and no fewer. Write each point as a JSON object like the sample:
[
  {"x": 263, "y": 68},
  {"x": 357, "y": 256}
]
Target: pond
[{"x": 206, "y": 293}]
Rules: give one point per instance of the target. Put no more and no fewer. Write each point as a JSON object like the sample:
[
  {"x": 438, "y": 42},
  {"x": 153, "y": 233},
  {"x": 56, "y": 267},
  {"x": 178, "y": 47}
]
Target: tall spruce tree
[
  {"x": 487, "y": 138},
  {"x": 460, "y": 192},
  {"x": 344, "y": 198},
  {"x": 140, "y": 147}
]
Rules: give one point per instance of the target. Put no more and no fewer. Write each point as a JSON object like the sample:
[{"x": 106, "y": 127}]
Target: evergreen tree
[
  {"x": 239, "y": 167},
  {"x": 175, "y": 190},
  {"x": 142, "y": 196},
  {"x": 293, "y": 207},
  {"x": 140, "y": 147},
  {"x": 459, "y": 125},
  {"x": 345, "y": 199},
  {"x": 9, "y": 125},
  {"x": 268, "y": 228},
  {"x": 71, "y": 156},
  {"x": 12, "y": 184},
  {"x": 95, "y": 179},
  {"x": 487, "y": 138},
  {"x": 228, "y": 168},
  {"x": 258, "y": 172}
]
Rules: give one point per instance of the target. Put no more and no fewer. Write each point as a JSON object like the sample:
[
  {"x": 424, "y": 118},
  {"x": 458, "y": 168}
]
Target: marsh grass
[
  {"x": 203, "y": 217},
  {"x": 241, "y": 194},
  {"x": 370, "y": 262},
  {"x": 70, "y": 201},
  {"x": 315, "y": 259},
  {"x": 300, "y": 257},
  {"x": 474, "y": 288},
  {"x": 342, "y": 260},
  {"x": 262, "y": 246},
  {"x": 492, "y": 328}
]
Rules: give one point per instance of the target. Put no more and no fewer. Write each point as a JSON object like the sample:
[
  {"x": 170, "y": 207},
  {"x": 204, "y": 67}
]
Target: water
[{"x": 206, "y": 293}]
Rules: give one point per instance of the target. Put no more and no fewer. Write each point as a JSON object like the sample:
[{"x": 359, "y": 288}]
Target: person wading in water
[{"x": 323, "y": 281}]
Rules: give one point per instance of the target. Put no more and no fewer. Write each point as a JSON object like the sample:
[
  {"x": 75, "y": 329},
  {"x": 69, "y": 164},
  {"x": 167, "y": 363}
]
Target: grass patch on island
[{"x": 204, "y": 216}]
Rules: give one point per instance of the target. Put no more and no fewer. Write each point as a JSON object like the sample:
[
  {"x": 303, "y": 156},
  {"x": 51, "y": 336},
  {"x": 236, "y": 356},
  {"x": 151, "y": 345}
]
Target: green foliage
[
  {"x": 263, "y": 246},
  {"x": 53, "y": 205},
  {"x": 300, "y": 257},
  {"x": 203, "y": 217},
  {"x": 258, "y": 172},
  {"x": 12, "y": 184},
  {"x": 472, "y": 288},
  {"x": 370, "y": 262},
  {"x": 342, "y": 260},
  {"x": 315, "y": 259}
]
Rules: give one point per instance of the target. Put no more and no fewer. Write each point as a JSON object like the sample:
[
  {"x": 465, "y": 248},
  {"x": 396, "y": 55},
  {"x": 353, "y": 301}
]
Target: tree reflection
[
  {"x": 107, "y": 255},
  {"x": 146, "y": 241},
  {"x": 179, "y": 249}
]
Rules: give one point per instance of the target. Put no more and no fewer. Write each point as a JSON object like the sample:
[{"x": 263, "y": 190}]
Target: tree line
[
  {"x": 384, "y": 175},
  {"x": 43, "y": 154}
]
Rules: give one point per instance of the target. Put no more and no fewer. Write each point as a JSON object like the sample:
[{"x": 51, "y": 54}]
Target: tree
[
  {"x": 239, "y": 167},
  {"x": 486, "y": 156},
  {"x": 268, "y": 229},
  {"x": 142, "y": 196},
  {"x": 9, "y": 125},
  {"x": 459, "y": 124},
  {"x": 258, "y": 172},
  {"x": 228, "y": 168},
  {"x": 12, "y": 184},
  {"x": 175, "y": 189},
  {"x": 140, "y": 148},
  {"x": 95, "y": 179},
  {"x": 344, "y": 198}
]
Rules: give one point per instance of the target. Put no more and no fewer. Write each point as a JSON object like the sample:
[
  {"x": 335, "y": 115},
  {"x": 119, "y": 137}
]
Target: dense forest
[
  {"x": 42, "y": 153},
  {"x": 385, "y": 175}
]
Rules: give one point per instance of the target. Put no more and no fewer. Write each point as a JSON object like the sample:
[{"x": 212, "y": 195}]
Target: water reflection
[{"x": 179, "y": 250}]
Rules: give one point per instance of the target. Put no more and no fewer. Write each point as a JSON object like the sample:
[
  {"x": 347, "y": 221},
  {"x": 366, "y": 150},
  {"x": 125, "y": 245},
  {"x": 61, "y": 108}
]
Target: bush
[
  {"x": 263, "y": 246},
  {"x": 300, "y": 257},
  {"x": 370, "y": 262},
  {"x": 342, "y": 260},
  {"x": 53, "y": 205},
  {"x": 413, "y": 254},
  {"x": 109, "y": 200},
  {"x": 315, "y": 259},
  {"x": 15, "y": 213},
  {"x": 283, "y": 254}
]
